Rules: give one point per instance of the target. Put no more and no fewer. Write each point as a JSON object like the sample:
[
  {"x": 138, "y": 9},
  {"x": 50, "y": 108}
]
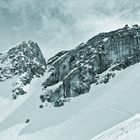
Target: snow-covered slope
[
  {"x": 81, "y": 119},
  {"x": 127, "y": 130}
]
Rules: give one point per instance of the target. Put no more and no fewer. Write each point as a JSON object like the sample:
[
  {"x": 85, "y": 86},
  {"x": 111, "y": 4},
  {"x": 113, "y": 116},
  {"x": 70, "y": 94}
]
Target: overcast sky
[{"x": 62, "y": 24}]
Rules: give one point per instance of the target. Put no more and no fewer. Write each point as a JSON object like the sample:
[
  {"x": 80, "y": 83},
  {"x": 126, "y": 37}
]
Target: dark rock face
[
  {"x": 24, "y": 60},
  {"x": 73, "y": 72}
]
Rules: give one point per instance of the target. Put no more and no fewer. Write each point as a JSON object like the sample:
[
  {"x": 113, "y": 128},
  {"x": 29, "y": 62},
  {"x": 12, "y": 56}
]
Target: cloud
[{"x": 61, "y": 24}]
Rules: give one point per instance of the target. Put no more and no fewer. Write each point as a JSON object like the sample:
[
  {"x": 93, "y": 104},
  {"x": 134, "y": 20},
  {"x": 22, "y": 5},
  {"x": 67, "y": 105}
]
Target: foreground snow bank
[{"x": 127, "y": 130}]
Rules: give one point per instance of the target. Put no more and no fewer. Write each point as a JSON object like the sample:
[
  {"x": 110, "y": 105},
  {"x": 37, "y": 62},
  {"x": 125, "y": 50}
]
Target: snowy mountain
[
  {"x": 74, "y": 71},
  {"x": 41, "y": 100},
  {"x": 25, "y": 61}
]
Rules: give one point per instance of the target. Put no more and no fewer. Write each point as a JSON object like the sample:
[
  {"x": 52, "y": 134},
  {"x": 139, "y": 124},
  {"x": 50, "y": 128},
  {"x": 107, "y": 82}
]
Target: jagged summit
[
  {"x": 23, "y": 57},
  {"x": 25, "y": 60},
  {"x": 29, "y": 49}
]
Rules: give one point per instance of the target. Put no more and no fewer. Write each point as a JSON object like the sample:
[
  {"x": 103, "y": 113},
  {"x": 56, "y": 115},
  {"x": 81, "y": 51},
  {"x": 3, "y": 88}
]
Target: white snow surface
[
  {"x": 127, "y": 130},
  {"x": 105, "y": 39},
  {"x": 83, "y": 118}
]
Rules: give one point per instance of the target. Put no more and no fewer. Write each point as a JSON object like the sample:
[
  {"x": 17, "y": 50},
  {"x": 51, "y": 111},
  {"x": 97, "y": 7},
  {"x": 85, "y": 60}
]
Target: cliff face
[
  {"x": 72, "y": 72},
  {"x": 25, "y": 61}
]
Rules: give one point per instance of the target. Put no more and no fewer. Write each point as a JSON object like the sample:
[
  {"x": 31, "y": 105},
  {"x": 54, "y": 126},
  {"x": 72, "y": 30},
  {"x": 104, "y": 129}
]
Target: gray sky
[{"x": 62, "y": 24}]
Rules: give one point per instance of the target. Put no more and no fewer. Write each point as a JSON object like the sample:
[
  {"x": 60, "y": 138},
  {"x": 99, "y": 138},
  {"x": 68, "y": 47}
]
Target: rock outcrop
[
  {"x": 72, "y": 72},
  {"x": 24, "y": 60}
]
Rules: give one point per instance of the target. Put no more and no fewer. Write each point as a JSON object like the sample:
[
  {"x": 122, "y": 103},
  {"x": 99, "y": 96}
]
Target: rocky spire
[{"x": 24, "y": 60}]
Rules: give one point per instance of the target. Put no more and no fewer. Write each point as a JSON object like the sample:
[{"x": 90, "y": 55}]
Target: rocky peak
[
  {"x": 24, "y": 60},
  {"x": 73, "y": 72},
  {"x": 29, "y": 50},
  {"x": 23, "y": 57}
]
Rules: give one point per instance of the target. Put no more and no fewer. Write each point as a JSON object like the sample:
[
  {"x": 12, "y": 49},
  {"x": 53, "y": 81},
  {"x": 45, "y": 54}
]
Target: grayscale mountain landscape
[{"x": 71, "y": 71}]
